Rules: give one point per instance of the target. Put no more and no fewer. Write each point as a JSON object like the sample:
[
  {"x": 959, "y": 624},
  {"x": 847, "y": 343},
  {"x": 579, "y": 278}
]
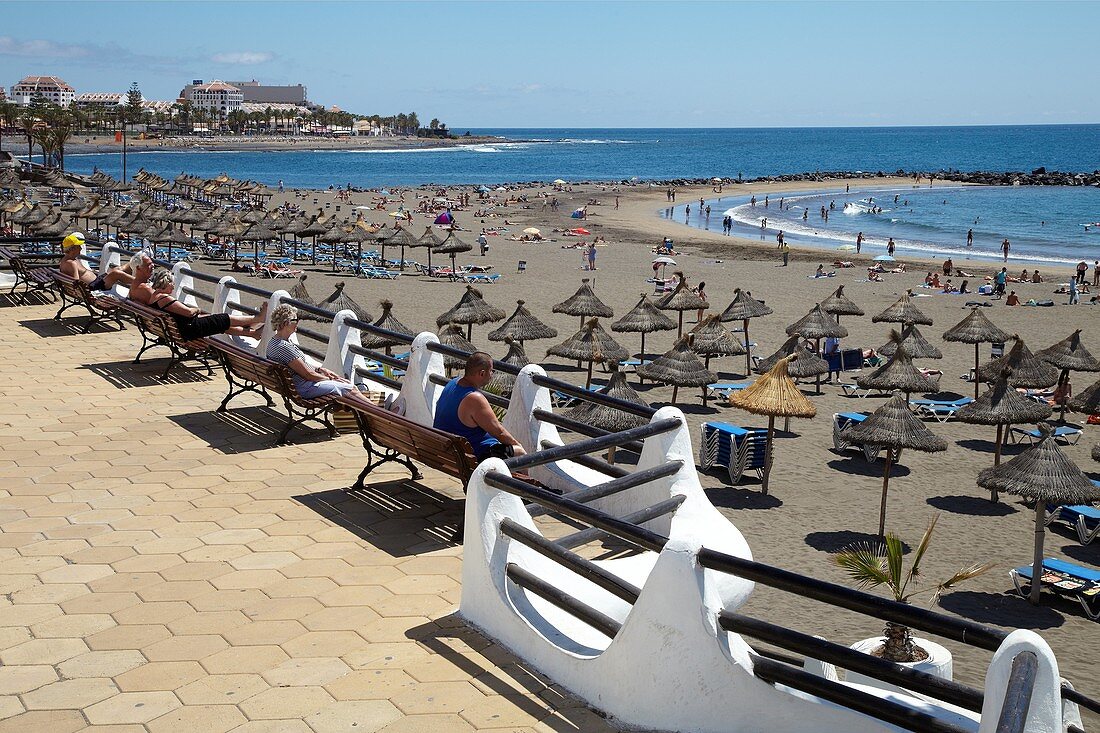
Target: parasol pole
[
  {"x": 1037, "y": 560},
  {"x": 885, "y": 488},
  {"x": 402, "y": 266},
  {"x": 977, "y": 362},
  {"x": 680, "y": 325},
  {"x": 674, "y": 389},
  {"x": 817, "y": 350},
  {"x": 768, "y": 456},
  {"x": 588, "y": 381},
  {"x": 996, "y": 458},
  {"x": 748, "y": 349}
]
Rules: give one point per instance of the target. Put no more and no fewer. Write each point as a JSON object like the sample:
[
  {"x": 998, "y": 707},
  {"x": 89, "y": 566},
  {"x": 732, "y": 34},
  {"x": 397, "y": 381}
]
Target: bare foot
[{"x": 261, "y": 317}]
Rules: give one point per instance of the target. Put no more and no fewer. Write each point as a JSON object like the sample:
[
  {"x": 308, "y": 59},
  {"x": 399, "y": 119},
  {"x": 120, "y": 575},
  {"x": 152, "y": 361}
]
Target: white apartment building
[
  {"x": 51, "y": 88},
  {"x": 99, "y": 100},
  {"x": 216, "y": 96}
]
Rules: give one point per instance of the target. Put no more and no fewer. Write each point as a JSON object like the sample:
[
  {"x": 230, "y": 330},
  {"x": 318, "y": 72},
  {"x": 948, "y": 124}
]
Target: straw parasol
[
  {"x": 1096, "y": 452},
  {"x": 643, "y": 318},
  {"x": 299, "y": 292},
  {"x": 774, "y": 395},
  {"x": 680, "y": 367},
  {"x": 339, "y": 300},
  {"x": 372, "y": 340},
  {"x": 584, "y": 304},
  {"x": 816, "y": 325},
  {"x": 451, "y": 335},
  {"x": 1069, "y": 354},
  {"x": 471, "y": 309},
  {"x": 742, "y": 308},
  {"x": 606, "y": 417},
  {"x": 1042, "y": 474},
  {"x": 452, "y": 245},
  {"x": 710, "y": 338},
  {"x": 914, "y": 343},
  {"x": 892, "y": 427},
  {"x": 430, "y": 240},
  {"x": 1002, "y": 405},
  {"x": 402, "y": 238},
  {"x": 590, "y": 344},
  {"x": 897, "y": 374},
  {"x": 682, "y": 299},
  {"x": 502, "y": 382},
  {"x": 1027, "y": 370},
  {"x": 838, "y": 304},
  {"x": 976, "y": 329},
  {"x": 522, "y": 326},
  {"x": 903, "y": 311},
  {"x": 1087, "y": 402}
]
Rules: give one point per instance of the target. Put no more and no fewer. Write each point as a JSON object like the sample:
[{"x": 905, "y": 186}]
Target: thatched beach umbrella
[
  {"x": 339, "y": 300},
  {"x": 299, "y": 293},
  {"x": 1088, "y": 401},
  {"x": 915, "y": 343},
  {"x": 1096, "y": 452},
  {"x": 1042, "y": 474},
  {"x": 643, "y": 318},
  {"x": 1002, "y": 405},
  {"x": 471, "y": 309},
  {"x": 742, "y": 308},
  {"x": 710, "y": 339},
  {"x": 816, "y": 325},
  {"x": 903, "y": 311},
  {"x": 892, "y": 427},
  {"x": 173, "y": 238},
  {"x": 774, "y": 395},
  {"x": 522, "y": 326},
  {"x": 590, "y": 344},
  {"x": 430, "y": 240},
  {"x": 898, "y": 374},
  {"x": 838, "y": 304},
  {"x": 1027, "y": 370},
  {"x": 402, "y": 238},
  {"x": 451, "y": 335},
  {"x": 679, "y": 367},
  {"x": 976, "y": 329},
  {"x": 502, "y": 382},
  {"x": 683, "y": 298},
  {"x": 372, "y": 340},
  {"x": 452, "y": 245},
  {"x": 1069, "y": 354},
  {"x": 608, "y": 418}
]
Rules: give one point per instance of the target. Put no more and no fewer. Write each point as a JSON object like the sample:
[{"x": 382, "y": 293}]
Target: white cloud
[
  {"x": 38, "y": 48},
  {"x": 242, "y": 57}
]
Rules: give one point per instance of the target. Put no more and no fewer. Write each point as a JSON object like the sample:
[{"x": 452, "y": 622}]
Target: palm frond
[
  {"x": 971, "y": 571},
  {"x": 925, "y": 541},
  {"x": 864, "y": 564},
  {"x": 894, "y": 554}
]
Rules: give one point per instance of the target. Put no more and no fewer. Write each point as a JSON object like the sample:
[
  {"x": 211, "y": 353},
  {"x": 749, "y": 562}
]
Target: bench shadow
[
  {"x": 49, "y": 328},
  {"x": 505, "y": 674},
  {"x": 735, "y": 497},
  {"x": 972, "y": 505},
  {"x": 128, "y": 375},
  {"x": 856, "y": 466},
  {"x": 244, "y": 429},
  {"x": 402, "y": 517},
  {"x": 7, "y": 300},
  {"x": 834, "y": 542},
  {"x": 1004, "y": 609}
]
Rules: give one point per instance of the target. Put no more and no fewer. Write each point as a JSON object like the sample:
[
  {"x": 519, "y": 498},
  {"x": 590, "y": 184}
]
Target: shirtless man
[
  {"x": 74, "y": 267},
  {"x": 140, "y": 289}
]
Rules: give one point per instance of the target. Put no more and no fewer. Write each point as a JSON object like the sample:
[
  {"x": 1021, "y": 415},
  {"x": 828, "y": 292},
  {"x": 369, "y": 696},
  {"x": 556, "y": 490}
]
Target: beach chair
[
  {"x": 1065, "y": 579},
  {"x": 733, "y": 448},
  {"x": 939, "y": 410},
  {"x": 1064, "y": 434},
  {"x": 842, "y": 420},
  {"x": 723, "y": 390},
  {"x": 522, "y": 266},
  {"x": 1083, "y": 518},
  {"x": 850, "y": 389}
]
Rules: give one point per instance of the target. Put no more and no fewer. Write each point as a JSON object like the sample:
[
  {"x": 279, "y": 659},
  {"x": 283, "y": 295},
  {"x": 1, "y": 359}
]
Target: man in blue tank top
[{"x": 463, "y": 410}]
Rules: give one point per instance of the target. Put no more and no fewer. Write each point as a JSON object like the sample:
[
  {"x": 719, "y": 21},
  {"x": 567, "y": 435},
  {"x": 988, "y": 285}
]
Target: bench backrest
[
  {"x": 160, "y": 324},
  {"x": 435, "y": 448},
  {"x": 254, "y": 368}
]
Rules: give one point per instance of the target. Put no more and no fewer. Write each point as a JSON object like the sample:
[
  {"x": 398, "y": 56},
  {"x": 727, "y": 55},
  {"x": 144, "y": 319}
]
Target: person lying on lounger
[
  {"x": 74, "y": 267},
  {"x": 192, "y": 322}
]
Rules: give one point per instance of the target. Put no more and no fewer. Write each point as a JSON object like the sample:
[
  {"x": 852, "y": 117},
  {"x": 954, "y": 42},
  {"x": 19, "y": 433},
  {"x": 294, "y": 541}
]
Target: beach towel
[{"x": 977, "y": 304}]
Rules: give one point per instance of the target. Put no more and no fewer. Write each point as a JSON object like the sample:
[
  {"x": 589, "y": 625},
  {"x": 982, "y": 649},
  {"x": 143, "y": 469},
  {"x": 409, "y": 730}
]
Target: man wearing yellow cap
[{"x": 73, "y": 266}]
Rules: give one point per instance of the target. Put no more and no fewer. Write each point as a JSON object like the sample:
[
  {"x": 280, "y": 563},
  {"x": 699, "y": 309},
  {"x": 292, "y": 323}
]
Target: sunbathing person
[
  {"x": 74, "y": 267},
  {"x": 1012, "y": 299},
  {"x": 1035, "y": 277},
  {"x": 141, "y": 291},
  {"x": 192, "y": 322}
]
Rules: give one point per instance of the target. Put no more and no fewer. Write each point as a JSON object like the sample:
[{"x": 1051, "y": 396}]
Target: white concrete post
[
  {"x": 1045, "y": 713},
  {"x": 272, "y": 303},
  {"x": 107, "y": 258},
  {"x": 183, "y": 280},
  {"x": 341, "y": 336},
  {"x": 418, "y": 391}
]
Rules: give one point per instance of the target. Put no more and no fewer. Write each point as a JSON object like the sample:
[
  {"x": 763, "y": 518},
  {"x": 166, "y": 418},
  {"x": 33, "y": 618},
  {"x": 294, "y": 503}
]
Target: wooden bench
[
  {"x": 388, "y": 436},
  {"x": 247, "y": 372},
  {"x": 33, "y": 279},
  {"x": 76, "y": 293},
  {"x": 158, "y": 328}
]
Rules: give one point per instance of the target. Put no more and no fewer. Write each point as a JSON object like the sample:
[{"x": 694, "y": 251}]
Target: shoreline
[{"x": 105, "y": 144}]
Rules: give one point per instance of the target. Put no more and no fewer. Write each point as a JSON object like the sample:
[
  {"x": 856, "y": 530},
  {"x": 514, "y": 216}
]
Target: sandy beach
[{"x": 820, "y": 501}]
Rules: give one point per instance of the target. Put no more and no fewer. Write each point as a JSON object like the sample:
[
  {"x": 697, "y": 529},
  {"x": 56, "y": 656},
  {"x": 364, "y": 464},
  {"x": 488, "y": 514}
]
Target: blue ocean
[{"x": 1041, "y": 222}]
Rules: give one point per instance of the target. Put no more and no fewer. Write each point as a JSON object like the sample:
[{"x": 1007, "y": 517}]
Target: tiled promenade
[{"x": 163, "y": 568}]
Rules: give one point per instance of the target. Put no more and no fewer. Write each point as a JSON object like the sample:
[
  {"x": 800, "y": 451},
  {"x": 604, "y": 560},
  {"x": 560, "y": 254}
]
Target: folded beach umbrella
[
  {"x": 451, "y": 335},
  {"x": 976, "y": 329},
  {"x": 1069, "y": 354},
  {"x": 590, "y": 344},
  {"x": 679, "y": 367},
  {"x": 915, "y": 343},
  {"x": 892, "y": 427},
  {"x": 1002, "y": 405},
  {"x": 683, "y": 298},
  {"x": 339, "y": 300},
  {"x": 711, "y": 339},
  {"x": 522, "y": 326},
  {"x": 774, "y": 395},
  {"x": 1042, "y": 474},
  {"x": 1027, "y": 370},
  {"x": 816, "y": 325},
  {"x": 838, "y": 304},
  {"x": 471, "y": 309},
  {"x": 903, "y": 311},
  {"x": 643, "y": 318},
  {"x": 584, "y": 304},
  {"x": 742, "y": 308},
  {"x": 452, "y": 245},
  {"x": 898, "y": 374},
  {"x": 609, "y": 418},
  {"x": 502, "y": 382}
]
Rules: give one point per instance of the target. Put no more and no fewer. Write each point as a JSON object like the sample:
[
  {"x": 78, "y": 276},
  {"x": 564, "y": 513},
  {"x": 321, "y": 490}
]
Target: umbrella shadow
[
  {"x": 856, "y": 466},
  {"x": 1088, "y": 554},
  {"x": 990, "y": 446},
  {"x": 732, "y": 497},
  {"x": 688, "y": 408},
  {"x": 972, "y": 505},
  {"x": 834, "y": 542},
  {"x": 1003, "y": 609}
]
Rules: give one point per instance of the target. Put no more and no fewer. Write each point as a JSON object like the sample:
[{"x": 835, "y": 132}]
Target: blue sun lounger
[
  {"x": 842, "y": 420},
  {"x": 1082, "y": 517},
  {"x": 1064, "y": 434},
  {"x": 733, "y": 448},
  {"x": 1065, "y": 579},
  {"x": 723, "y": 390},
  {"x": 940, "y": 410}
]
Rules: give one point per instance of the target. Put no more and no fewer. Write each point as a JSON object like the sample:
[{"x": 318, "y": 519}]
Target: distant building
[
  {"x": 51, "y": 88},
  {"x": 216, "y": 96},
  {"x": 254, "y": 91},
  {"x": 99, "y": 100},
  {"x": 3, "y": 97}
]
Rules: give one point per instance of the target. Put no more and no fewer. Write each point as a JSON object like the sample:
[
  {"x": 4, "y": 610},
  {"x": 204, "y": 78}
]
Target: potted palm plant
[{"x": 882, "y": 564}]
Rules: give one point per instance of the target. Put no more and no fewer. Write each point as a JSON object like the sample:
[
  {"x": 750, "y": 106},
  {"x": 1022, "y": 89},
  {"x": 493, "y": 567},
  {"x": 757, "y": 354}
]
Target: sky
[{"x": 592, "y": 64}]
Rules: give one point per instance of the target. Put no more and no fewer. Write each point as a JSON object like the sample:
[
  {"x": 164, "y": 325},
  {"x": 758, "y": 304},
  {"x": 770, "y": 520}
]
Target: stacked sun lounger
[
  {"x": 842, "y": 420},
  {"x": 733, "y": 448},
  {"x": 1083, "y": 518},
  {"x": 1065, "y": 579},
  {"x": 939, "y": 410}
]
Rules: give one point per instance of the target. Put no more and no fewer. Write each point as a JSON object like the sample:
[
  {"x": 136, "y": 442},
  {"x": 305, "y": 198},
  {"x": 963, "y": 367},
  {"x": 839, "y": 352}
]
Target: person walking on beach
[
  {"x": 890, "y": 247},
  {"x": 483, "y": 243},
  {"x": 1096, "y": 273},
  {"x": 752, "y": 201},
  {"x": 779, "y": 238},
  {"x": 999, "y": 281},
  {"x": 1074, "y": 293},
  {"x": 969, "y": 238},
  {"x": 785, "y": 250},
  {"x": 701, "y": 291},
  {"x": 1082, "y": 270},
  {"x": 1005, "y": 246},
  {"x": 592, "y": 256},
  {"x": 859, "y": 242}
]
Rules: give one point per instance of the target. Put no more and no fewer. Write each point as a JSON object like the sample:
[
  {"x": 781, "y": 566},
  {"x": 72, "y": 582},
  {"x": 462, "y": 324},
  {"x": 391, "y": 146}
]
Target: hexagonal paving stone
[
  {"x": 222, "y": 689},
  {"x": 245, "y": 659},
  {"x": 43, "y": 651},
  {"x": 132, "y": 707},
  {"x": 259, "y": 633},
  {"x": 323, "y": 644},
  {"x": 102, "y": 663},
  {"x": 353, "y": 716},
  {"x": 370, "y": 684},
  {"x": 69, "y": 694},
  {"x": 159, "y": 676},
  {"x": 204, "y": 718},
  {"x": 182, "y": 648},
  {"x": 286, "y": 702},
  {"x": 54, "y": 721},
  {"x": 24, "y": 678},
  {"x": 308, "y": 671}
]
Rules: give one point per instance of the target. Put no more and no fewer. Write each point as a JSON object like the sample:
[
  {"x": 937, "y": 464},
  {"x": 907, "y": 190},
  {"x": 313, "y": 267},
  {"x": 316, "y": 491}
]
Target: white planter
[{"x": 938, "y": 663}]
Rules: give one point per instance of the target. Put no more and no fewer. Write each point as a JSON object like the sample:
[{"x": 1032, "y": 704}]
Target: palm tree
[
  {"x": 875, "y": 564},
  {"x": 9, "y": 113}
]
